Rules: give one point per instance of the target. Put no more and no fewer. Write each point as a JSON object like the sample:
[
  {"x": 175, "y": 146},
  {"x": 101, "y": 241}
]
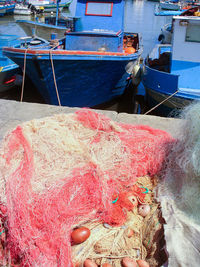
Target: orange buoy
[{"x": 130, "y": 50}]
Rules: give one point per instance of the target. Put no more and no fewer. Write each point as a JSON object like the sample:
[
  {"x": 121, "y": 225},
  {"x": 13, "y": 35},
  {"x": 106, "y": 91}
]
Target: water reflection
[{"x": 139, "y": 17}]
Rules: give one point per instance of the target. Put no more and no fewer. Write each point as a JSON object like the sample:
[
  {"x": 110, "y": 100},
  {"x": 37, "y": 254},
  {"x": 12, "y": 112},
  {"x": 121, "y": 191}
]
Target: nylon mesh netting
[{"x": 62, "y": 170}]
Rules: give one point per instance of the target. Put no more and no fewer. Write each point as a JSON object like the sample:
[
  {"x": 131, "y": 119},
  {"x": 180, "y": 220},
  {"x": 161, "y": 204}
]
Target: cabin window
[
  {"x": 99, "y": 9},
  {"x": 192, "y": 33}
]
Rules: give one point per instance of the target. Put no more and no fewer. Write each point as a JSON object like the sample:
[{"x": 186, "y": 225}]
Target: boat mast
[{"x": 57, "y": 9}]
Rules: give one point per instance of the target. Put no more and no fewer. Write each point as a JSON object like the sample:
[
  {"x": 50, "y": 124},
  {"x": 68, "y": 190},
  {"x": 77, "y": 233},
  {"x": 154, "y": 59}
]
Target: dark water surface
[{"x": 139, "y": 17}]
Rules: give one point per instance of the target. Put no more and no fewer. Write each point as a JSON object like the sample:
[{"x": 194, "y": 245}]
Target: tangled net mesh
[
  {"x": 60, "y": 171},
  {"x": 182, "y": 176}
]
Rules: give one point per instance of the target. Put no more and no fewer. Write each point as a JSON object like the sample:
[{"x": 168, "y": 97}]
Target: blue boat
[
  {"x": 171, "y": 73},
  {"x": 2, "y": 10},
  {"x": 10, "y": 8},
  {"x": 9, "y": 71},
  {"x": 49, "y": 6},
  {"x": 6, "y": 9},
  {"x": 91, "y": 65},
  {"x": 168, "y": 12}
]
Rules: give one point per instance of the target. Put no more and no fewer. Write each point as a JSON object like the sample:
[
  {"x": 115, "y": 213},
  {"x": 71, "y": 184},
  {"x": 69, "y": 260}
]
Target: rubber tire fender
[{"x": 161, "y": 37}]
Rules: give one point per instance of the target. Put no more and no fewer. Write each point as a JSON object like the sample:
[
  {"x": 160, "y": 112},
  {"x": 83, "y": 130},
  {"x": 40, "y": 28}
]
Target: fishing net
[
  {"x": 108, "y": 244},
  {"x": 61, "y": 171},
  {"x": 182, "y": 175}
]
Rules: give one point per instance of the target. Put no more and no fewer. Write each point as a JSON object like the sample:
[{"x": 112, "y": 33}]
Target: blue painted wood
[
  {"x": 81, "y": 82},
  {"x": 2, "y": 11},
  {"x": 10, "y": 8},
  {"x": 159, "y": 81},
  {"x": 168, "y": 12},
  {"x": 83, "y": 79},
  {"x": 190, "y": 73},
  {"x": 7, "y": 67},
  {"x": 7, "y": 40},
  {"x": 89, "y": 23},
  {"x": 160, "y": 85}
]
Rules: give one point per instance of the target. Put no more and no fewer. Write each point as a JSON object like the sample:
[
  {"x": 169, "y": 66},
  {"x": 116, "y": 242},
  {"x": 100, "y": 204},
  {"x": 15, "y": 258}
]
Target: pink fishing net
[{"x": 59, "y": 171}]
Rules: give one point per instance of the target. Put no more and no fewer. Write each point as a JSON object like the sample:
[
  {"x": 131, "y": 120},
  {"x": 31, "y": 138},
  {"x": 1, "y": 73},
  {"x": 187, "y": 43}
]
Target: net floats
[
  {"x": 129, "y": 232},
  {"x": 128, "y": 262},
  {"x": 89, "y": 263},
  {"x": 79, "y": 235},
  {"x": 144, "y": 210},
  {"x": 142, "y": 263}
]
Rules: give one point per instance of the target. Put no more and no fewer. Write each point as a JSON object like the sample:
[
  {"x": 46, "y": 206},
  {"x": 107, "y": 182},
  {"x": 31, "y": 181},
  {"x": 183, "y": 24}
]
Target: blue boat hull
[
  {"x": 2, "y": 11},
  {"x": 160, "y": 86},
  {"x": 10, "y": 9},
  {"x": 170, "y": 107},
  {"x": 80, "y": 83},
  {"x": 8, "y": 78}
]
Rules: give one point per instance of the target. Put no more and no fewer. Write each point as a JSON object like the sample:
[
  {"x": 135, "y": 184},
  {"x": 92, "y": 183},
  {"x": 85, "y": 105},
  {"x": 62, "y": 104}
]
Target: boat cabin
[
  {"x": 182, "y": 57},
  {"x": 7, "y": 40},
  {"x": 99, "y": 26},
  {"x": 185, "y": 50}
]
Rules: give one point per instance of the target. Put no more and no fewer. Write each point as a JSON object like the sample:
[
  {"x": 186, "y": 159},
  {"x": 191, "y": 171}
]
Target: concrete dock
[{"x": 13, "y": 113}]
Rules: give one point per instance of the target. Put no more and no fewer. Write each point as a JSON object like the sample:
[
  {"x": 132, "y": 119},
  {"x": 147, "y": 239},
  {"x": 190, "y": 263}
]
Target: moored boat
[
  {"x": 10, "y": 8},
  {"x": 49, "y": 6},
  {"x": 9, "y": 71},
  {"x": 2, "y": 10},
  {"x": 170, "y": 5},
  {"x": 90, "y": 65},
  {"x": 21, "y": 9},
  {"x": 44, "y": 30},
  {"x": 171, "y": 72},
  {"x": 26, "y": 9},
  {"x": 6, "y": 9}
]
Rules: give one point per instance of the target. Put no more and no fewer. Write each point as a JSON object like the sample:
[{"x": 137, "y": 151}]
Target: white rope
[
  {"x": 23, "y": 78},
  {"x": 160, "y": 103},
  {"x": 54, "y": 77}
]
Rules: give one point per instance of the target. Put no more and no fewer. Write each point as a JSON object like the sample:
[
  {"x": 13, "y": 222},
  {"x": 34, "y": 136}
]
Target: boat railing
[{"x": 160, "y": 58}]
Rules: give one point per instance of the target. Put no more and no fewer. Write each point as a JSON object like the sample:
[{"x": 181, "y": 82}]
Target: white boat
[
  {"x": 21, "y": 9},
  {"x": 27, "y": 9},
  {"x": 171, "y": 71},
  {"x": 45, "y": 29},
  {"x": 48, "y": 6}
]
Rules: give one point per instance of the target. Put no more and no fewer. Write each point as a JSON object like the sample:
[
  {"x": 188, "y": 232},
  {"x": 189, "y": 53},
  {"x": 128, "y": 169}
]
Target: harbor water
[{"x": 139, "y": 17}]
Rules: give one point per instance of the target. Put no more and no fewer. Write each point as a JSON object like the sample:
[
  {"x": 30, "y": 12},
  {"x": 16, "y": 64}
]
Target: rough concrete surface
[{"x": 13, "y": 113}]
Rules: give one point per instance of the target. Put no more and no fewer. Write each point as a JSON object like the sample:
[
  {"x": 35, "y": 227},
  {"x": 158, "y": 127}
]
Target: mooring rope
[
  {"x": 160, "y": 103},
  {"x": 23, "y": 77},
  {"x": 54, "y": 77}
]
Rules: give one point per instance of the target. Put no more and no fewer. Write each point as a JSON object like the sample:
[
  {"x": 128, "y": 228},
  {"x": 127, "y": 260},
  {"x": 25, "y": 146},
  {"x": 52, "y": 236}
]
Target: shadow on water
[{"x": 30, "y": 94}]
